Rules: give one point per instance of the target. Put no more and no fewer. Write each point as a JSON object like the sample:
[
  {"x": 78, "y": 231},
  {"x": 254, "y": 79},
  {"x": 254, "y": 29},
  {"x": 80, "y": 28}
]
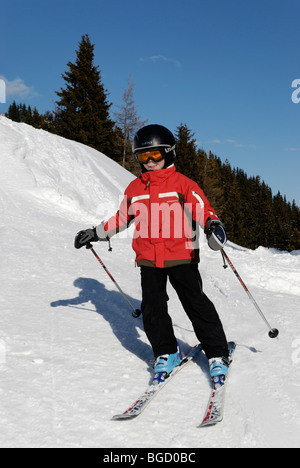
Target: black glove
[
  {"x": 85, "y": 237},
  {"x": 215, "y": 234}
]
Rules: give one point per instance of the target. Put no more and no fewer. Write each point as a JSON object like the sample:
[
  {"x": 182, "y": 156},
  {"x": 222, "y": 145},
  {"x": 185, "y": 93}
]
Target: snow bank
[
  {"x": 275, "y": 271},
  {"x": 65, "y": 176}
]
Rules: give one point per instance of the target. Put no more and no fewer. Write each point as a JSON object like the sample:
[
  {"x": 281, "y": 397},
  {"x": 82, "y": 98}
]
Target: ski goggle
[{"x": 144, "y": 158}]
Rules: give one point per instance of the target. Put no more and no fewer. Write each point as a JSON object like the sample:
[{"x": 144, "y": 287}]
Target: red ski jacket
[{"x": 166, "y": 207}]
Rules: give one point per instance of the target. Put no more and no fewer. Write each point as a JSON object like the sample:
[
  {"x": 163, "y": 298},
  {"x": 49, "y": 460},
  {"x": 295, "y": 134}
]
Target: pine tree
[
  {"x": 128, "y": 120},
  {"x": 202, "y": 161},
  {"x": 266, "y": 217},
  {"x": 14, "y": 112},
  {"x": 245, "y": 225},
  {"x": 280, "y": 229},
  {"x": 212, "y": 184},
  {"x": 231, "y": 214},
  {"x": 82, "y": 112},
  {"x": 187, "y": 161},
  {"x": 295, "y": 227}
]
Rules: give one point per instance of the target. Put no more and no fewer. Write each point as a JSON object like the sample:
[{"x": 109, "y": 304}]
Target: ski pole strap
[{"x": 224, "y": 259}]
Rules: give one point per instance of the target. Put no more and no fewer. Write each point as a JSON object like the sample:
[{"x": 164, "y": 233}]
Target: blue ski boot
[
  {"x": 218, "y": 366},
  {"x": 165, "y": 364}
]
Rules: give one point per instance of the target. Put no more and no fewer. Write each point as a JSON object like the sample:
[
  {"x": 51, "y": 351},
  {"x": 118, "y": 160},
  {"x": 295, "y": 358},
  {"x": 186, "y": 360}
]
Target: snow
[{"x": 71, "y": 355}]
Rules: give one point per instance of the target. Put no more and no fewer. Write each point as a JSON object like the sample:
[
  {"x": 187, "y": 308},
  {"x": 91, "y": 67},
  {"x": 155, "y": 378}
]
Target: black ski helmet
[{"x": 152, "y": 137}]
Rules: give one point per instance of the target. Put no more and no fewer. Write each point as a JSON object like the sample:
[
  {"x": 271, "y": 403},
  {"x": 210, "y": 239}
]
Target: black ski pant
[{"x": 186, "y": 281}]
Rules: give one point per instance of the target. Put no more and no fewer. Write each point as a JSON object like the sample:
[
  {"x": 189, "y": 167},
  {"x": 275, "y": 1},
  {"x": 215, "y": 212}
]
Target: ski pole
[
  {"x": 135, "y": 312},
  {"x": 273, "y": 333}
]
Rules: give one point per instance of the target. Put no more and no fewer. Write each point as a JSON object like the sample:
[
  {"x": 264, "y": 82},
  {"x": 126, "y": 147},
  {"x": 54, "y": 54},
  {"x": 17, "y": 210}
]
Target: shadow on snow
[{"x": 111, "y": 306}]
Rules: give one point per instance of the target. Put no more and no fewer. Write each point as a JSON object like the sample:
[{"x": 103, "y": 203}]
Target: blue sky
[{"x": 224, "y": 68}]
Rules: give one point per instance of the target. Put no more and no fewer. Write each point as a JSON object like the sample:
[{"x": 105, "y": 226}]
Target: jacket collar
[{"x": 157, "y": 177}]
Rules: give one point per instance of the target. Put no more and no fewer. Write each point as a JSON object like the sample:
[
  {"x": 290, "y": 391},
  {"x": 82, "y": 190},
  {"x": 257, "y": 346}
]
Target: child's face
[{"x": 154, "y": 166}]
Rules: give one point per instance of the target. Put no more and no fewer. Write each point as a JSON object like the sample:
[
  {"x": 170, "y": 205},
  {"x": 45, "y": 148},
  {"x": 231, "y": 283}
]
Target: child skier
[{"x": 166, "y": 207}]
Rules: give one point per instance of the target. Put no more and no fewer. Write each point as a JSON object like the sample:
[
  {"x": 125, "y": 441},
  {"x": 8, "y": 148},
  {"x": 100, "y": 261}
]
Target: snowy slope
[{"x": 69, "y": 346}]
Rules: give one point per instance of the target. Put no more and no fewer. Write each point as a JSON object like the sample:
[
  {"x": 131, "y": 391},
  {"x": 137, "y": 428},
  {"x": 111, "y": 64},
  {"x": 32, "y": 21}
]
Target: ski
[
  {"x": 157, "y": 384},
  {"x": 215, "y": 406}
]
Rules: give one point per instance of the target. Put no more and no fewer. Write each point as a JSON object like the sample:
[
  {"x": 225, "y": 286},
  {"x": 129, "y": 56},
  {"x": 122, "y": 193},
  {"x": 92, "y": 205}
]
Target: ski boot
[
  {"x": 165, "y": 364},
  {"x": 218, "y": 370}
]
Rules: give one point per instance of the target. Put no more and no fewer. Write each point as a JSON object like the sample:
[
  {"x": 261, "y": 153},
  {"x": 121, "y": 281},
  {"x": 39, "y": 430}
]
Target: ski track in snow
[{"x": 71, "y": 355}]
